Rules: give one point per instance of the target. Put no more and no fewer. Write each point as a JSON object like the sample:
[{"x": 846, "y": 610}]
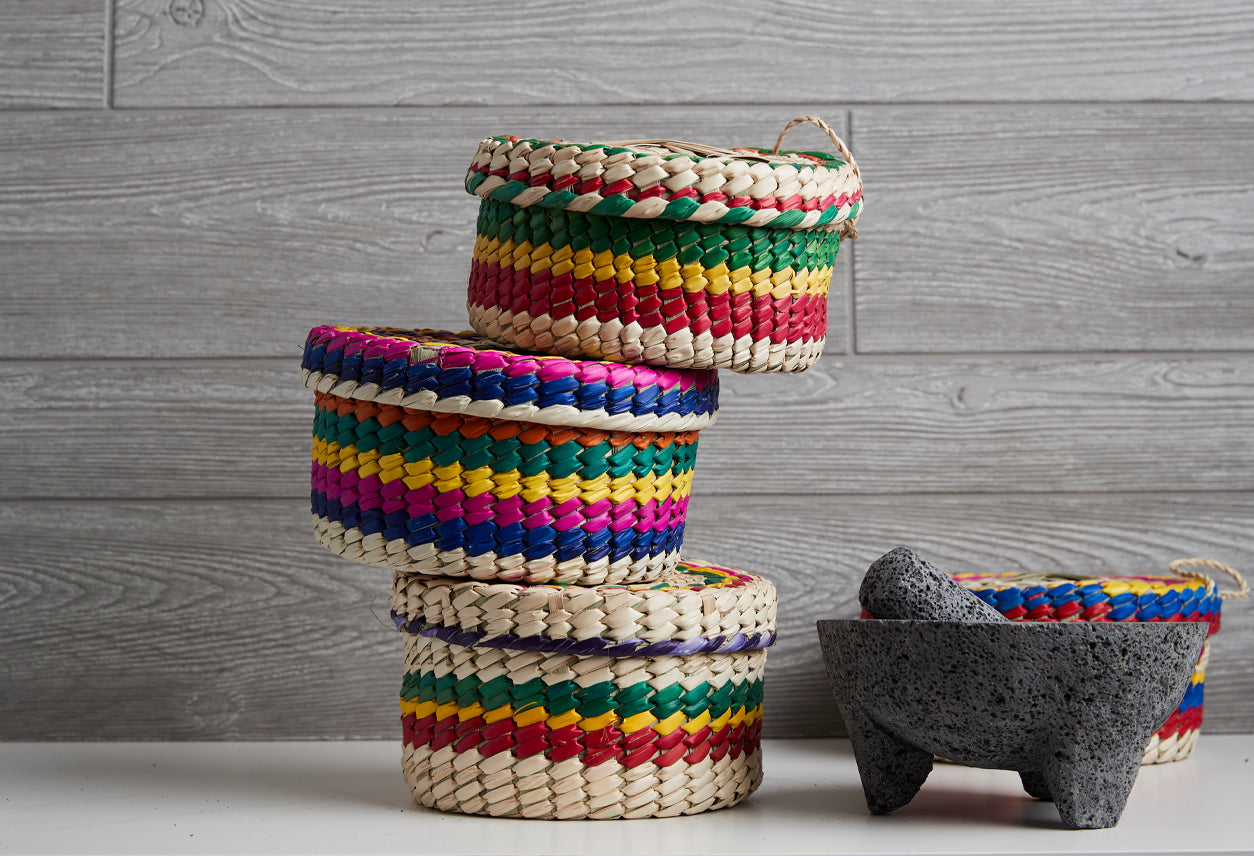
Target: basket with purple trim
[
  {"x": 443, "y": 454},
  {"x": 559, "y": 702},
  {"x": 660, "y": 252},
  {"x": 1187, "y": 596}
]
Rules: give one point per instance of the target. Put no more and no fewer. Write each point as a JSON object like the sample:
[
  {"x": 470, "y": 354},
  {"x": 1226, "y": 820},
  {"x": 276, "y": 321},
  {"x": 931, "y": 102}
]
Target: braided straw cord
[
  {"x": 1180, "y": 567},
  {"x": 849, "y": 228},
  {"x": 683, "y": 295},
  {"x": 452, "y": 495},
  {"x": 697, "y": 608},
  {"x": 670, "y": 180},
  {"x": 525, "y": 734}
]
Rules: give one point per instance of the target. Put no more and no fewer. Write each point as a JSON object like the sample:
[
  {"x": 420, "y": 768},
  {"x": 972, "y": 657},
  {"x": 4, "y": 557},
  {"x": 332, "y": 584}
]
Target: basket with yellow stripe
[
  {"x": 1186, "y": 596},
  {"x": 660, "y": 252},
  {"x": 614, "y": 701},
  {"x": 442, "y": 454}
]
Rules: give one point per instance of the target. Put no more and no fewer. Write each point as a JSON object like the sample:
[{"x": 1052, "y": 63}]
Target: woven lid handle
[
  {"x": 850, "y": 228},
  {"x": 825, "y": 128},
  {"x": 1180, "y": 568}
]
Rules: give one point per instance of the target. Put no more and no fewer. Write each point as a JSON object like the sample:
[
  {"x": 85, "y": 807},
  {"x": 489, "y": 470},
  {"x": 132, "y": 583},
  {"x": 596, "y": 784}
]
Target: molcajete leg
[
  {"x": 1036, "y": 786},
  {"x": 892, "y": 771},
  {"x": 1091, "y": 783}
]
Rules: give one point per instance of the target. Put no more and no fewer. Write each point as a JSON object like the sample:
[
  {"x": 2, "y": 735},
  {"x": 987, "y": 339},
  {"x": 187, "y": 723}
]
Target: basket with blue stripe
[
  {"x": 1186, "y": 596},
  {"x": 447, "y": 455}
]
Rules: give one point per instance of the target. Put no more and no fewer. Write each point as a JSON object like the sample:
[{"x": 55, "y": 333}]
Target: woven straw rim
[
  {"x": 1028, "y": 579},
  {"x": 1103, "y": 597},
  {"x": 674, "y": 180},
  {"x": 694, "y": 390},
  {"x": 427, "y": 562},
  {"x": 698, "y": 608}
]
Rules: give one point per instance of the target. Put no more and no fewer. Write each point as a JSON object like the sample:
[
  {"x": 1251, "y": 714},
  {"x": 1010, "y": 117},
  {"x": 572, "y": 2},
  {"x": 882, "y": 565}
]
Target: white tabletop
[{"x": 350, "y": 798}]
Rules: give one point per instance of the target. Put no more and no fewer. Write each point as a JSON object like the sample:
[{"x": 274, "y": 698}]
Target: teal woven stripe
[
  {"x": 591, "y": 701},
  {"x": 753, "y": 247},
  {"x": 507, "y": 455}
]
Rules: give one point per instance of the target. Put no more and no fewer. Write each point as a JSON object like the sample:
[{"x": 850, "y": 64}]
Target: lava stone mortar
[{"x": 1068, "y": 706}]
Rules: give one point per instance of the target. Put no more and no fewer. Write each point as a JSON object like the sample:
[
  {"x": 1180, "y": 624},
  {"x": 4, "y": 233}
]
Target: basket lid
[
  {"x": 1079, "y": 597},
  {"x": 470, "y": 374},
  {"x": 672, "y": 180},
  {"x": 698, "y": 608}
]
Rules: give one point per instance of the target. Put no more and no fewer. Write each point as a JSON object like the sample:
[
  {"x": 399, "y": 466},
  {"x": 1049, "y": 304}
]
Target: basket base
[
  {"x": 504, "y": 786},
  {"x": 426, "y": 559},
  {"x": 631, "y": 343}
]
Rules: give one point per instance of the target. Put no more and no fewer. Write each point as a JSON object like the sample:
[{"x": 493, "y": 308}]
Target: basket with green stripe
[
  {"x": 660, "y": 252},
  {"x": 562, "y": 702},
  {"x": 444, "y": 454}
]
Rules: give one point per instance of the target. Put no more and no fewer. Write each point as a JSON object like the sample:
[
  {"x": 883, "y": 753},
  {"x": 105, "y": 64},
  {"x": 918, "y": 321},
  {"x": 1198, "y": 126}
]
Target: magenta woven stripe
[{"x": 369, "y": 493}]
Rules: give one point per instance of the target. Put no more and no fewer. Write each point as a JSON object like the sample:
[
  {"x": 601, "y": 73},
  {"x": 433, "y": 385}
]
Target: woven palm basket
[
  {"x": 660, "y": 252},
  {"x": 442, "y": 454},
  {"x": 568, "y": 702},
  {"x": 1067, "y": 597}
]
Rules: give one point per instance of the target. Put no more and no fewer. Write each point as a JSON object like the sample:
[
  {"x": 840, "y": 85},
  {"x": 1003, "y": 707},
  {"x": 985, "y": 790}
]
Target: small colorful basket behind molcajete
[
  {"x": 565, "y": 702},
  {"x": 1187, "y": 596},
  {"x": 443, "y": 454},
  {"x": 660, "y": 252}
]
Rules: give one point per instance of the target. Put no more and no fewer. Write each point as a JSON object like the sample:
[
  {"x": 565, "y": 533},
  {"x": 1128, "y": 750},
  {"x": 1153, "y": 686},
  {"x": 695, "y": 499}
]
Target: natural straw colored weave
[
  {"x": 424, "y": 486},
  {"x": 1065, "y": 597},
  {"x": 660, "y": 252},
  {"x": 570, "y": 702}
]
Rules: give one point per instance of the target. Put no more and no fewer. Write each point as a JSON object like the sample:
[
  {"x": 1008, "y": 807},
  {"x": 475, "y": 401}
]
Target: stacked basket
[{"x": 528, "y": 483}]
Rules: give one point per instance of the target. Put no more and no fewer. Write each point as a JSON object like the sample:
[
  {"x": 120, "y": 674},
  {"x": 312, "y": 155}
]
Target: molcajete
[{"x": 1068, "y": 706}]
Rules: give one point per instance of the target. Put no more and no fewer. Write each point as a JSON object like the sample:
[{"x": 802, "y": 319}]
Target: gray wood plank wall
[{"x": 1040, "y": 357}]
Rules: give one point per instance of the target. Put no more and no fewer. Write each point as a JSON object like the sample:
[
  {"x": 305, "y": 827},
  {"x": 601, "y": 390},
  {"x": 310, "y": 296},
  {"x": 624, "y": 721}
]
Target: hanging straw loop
[
  {"x": 1180, "y": 568},
  {"x": 825, "y": 128},
  {"x": 849, "y": 229}
]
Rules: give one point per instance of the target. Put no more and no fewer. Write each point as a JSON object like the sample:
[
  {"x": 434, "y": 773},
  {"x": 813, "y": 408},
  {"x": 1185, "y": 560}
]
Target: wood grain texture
[
  {"x": 240, "y": 428},
  {"x": 1056, "y": 229},
  {"x": 52, "y": 53},
  {"x": 207, "y": 233},
  {"x": 272, "y": 52},
  {"x": 188, "y": 621},
  {"x": 223, "y": 620}
]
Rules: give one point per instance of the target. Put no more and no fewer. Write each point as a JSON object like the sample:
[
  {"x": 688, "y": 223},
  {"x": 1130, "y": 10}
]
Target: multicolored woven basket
[
  {"x": 568, "y": 702},
  {"x": 660, "y": 252},
  {"x": 1067, "y": 597},
  {"x": 442, "y": 454}
]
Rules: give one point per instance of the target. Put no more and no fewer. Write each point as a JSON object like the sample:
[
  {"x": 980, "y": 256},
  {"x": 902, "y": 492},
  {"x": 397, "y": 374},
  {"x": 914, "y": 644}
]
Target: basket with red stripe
[
  {"x": 1185, "y": 596},
  {"x": 660, "y": 252},
  {"x": 559, "y": 702}
]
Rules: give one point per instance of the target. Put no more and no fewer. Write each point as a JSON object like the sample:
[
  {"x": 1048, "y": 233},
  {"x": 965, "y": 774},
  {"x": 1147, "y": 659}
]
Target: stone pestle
[{"x": 901, "y": 585}]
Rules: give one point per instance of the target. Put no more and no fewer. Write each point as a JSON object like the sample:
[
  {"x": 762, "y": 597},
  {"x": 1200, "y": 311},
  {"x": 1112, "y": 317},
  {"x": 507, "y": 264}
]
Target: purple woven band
[{"x": 588, "y": 647}]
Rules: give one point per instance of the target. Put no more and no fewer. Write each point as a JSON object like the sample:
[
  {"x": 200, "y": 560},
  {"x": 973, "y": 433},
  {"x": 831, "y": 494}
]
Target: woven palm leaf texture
[
  {"x": 660, "y": 252},
  {"x": 447, "y": 455},
  {"x": 612, "y": 701}
]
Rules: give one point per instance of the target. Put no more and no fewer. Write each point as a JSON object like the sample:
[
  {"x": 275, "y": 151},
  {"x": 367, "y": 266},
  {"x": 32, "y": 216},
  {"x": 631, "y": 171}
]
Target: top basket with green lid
[{"x": 660, "y": 252}]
